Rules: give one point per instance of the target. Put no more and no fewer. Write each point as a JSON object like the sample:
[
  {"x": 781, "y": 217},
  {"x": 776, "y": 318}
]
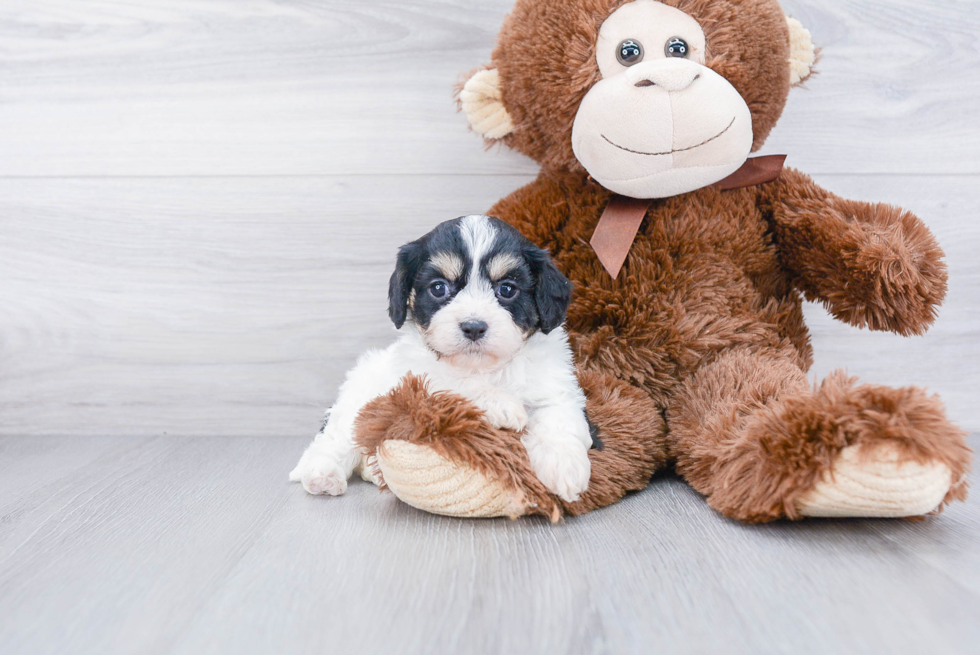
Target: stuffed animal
[{"x": 690, "y": 262}]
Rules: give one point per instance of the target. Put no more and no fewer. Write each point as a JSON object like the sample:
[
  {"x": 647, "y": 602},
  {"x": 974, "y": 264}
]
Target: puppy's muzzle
[{"x": 473, "y": 330}]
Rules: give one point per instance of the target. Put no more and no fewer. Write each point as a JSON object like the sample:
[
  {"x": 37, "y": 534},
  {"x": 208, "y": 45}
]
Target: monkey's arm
[{"x": 871, "y": 265}]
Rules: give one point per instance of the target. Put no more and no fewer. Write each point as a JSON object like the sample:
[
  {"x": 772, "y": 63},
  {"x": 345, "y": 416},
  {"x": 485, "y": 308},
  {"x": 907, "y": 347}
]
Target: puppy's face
[{"x": 476, "y": 289}]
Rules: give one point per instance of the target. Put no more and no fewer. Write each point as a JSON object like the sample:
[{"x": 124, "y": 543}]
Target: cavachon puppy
[{"x": 485, "y": 307}]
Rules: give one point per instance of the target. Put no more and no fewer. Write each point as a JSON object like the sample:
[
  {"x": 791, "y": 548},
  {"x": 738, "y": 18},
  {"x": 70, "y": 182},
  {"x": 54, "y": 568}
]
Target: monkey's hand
[{"x": 871, "y": 265}]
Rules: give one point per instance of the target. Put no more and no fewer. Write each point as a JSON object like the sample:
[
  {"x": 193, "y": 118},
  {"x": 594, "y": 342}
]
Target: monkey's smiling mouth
[{"x": 669, "y": 152}]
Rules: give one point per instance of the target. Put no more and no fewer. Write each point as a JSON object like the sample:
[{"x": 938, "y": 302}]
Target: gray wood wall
[{"x": 200, "y": 200}]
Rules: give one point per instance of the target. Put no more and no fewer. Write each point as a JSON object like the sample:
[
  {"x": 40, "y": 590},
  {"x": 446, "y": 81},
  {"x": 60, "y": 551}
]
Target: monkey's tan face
[{"x": 659, "y": 123}]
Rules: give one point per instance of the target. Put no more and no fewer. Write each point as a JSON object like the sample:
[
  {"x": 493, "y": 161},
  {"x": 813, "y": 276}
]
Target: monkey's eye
[
  {"x": 676, "y": 47},
  {"x": 506, "y": 290},
  {"x": 629, "y": 52},
  {"x": 439, "y": 289}
]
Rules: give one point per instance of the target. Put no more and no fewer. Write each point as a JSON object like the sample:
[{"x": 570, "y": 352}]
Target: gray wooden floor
[
  {"x": 199, "y": 206},
  {"x": 199, "y": 545}
]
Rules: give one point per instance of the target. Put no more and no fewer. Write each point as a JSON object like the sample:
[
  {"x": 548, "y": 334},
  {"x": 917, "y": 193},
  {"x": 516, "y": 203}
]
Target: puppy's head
[{"x": 476, "y": 289}]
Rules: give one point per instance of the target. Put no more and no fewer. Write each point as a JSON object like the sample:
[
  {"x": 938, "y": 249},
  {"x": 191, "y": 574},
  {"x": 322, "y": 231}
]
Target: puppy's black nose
[{"x": 474, "y": 330}]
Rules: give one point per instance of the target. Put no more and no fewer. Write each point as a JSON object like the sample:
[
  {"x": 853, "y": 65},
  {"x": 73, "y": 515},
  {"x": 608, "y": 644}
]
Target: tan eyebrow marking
[
  {"x": 449, "y": 264},
  {"x": 500, "y": 265}
]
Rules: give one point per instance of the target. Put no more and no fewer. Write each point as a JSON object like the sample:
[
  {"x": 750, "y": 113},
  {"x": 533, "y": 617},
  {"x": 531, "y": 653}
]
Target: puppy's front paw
[
  {"x": 504, "y": 411},
  {"x": 564, "y": 468},
  {"x": 368, "y": 469},
  {"x": 320, "y": 476}
]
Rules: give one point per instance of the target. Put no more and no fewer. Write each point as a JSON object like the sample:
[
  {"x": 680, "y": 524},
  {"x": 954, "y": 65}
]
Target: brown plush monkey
[{"x": 693, "y": 352}]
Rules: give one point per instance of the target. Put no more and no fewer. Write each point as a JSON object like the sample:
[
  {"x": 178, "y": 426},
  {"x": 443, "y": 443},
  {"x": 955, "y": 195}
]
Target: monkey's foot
[
  {"x": 436, "y": 453},
  {"x": 424, "y": 479},
  {"x": 877, "y": 482}
]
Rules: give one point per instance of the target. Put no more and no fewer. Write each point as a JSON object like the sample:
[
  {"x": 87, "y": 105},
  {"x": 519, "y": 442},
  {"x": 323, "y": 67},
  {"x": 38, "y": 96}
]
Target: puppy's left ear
[
  {"x": 553, "y": 291},
  {"x": 400, "y": 285}
]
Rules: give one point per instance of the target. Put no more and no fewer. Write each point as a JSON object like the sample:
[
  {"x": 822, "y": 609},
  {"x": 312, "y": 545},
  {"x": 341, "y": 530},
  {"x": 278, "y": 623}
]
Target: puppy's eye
[
  {"x": 439, "y": 289},
  {"x": 629, "y": 52},
  {"x": 506, "y": 290},
  {"x": 676, "y": 47}
]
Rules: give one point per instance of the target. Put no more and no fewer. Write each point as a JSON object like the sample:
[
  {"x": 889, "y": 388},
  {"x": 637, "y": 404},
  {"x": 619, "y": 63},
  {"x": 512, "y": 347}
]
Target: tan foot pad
[
  {"x": 876, "y": 485},
  {"x": 419, "y": 476}
]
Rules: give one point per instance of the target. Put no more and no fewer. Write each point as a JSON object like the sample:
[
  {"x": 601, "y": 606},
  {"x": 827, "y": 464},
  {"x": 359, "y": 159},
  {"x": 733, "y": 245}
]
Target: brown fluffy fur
[{"x": 704, "y": 323}]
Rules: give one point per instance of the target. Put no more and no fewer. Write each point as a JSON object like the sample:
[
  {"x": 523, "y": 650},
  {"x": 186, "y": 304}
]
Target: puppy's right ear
[{"x": 400, "y": 286}]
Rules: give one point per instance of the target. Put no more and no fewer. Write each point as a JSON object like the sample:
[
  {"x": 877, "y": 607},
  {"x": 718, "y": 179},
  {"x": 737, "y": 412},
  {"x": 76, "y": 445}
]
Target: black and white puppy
[{"x": 485, "y": 308}]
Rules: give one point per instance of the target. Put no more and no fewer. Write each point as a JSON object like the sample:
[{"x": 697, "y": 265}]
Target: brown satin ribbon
[
  {"x": 755, "y": 170},
  {"x": 616, "y": 229},
  {"x": 620, "y": 221}
]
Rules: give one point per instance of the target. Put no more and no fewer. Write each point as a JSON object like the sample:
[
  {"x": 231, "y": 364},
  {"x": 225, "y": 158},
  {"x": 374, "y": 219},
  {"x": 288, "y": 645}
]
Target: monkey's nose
[
  {"x": 668, "y": 75},
  {"x": 473, "y": 330}
]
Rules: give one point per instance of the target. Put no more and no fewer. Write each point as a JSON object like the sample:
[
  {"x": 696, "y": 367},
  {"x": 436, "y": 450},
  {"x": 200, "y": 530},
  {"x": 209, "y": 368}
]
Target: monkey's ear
[
  {"x": 802, "y": 54},
  {"x": 481, "y": 101}
]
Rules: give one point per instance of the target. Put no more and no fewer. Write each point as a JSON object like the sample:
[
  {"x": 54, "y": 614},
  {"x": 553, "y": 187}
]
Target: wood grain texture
[
  {"x": 264, "y": 87},
  {"x": 200, "y": 306},
  {"x": 207, "y": 301},
  {"x": 199, "y": 545}
]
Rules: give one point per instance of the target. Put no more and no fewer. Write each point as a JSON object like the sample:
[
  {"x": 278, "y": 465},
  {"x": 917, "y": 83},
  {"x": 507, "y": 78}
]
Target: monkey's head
[{"x": 651, "y": 98}]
